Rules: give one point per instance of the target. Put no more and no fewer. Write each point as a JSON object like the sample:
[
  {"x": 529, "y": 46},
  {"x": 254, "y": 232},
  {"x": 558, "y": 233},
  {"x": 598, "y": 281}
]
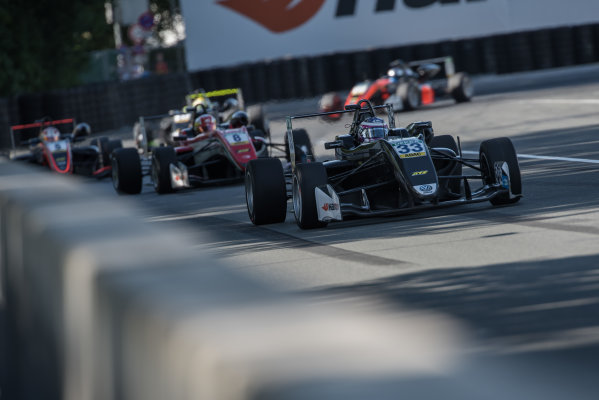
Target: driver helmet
[
  {"x": 372, "y": 129},
  {"x": 202, "y": 104},
  {"x": 239, "y": 119},
  {"x": 50, "y": 134},
  {"x": 82, "y": 129},
  {"x": 205, "y": 123},
  {"x": 394, "y": 72}
]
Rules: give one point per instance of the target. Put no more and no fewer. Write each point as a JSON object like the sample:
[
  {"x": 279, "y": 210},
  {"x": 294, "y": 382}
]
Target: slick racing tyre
[
  {"x": 101, "y": 142},
  {"x": 265, "y": 191},
  {"x": 500, "y": 149},
  {"x": 409, "y": 93},
  {"x": 108, "y": 148},
  {"x": 126, "y": 171},
  {"x": 460, "y": 87},
  {"x": 303, "y": 146},
  {"x": 306, "y": 178},
  {"x": 105, "y": 147},
  {"x": 162, "y": 158},
  {"x": 447, "y": 167},
  {"x": 259, "y": 142},
  {"x": 258, "y": 120}
]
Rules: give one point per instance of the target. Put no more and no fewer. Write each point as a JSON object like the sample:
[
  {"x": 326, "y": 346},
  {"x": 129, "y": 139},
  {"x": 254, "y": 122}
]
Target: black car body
[
  {"x": 409, "y": 170},
  {"x": 66, "y": 154}
]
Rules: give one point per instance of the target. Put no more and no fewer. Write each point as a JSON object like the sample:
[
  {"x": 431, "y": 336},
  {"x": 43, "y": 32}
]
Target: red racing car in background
[
  {"x": 206, "y": 153},
  {"x": 48, "y": 146},
  {"x": 407, "y": 86}
]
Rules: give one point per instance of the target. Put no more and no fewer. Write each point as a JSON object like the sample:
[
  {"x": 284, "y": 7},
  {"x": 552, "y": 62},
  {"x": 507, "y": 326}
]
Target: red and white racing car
[{"x": 207, "y": 154}]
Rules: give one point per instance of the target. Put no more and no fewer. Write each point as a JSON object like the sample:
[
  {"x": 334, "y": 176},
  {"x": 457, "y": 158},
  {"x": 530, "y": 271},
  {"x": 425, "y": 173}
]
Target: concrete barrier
[
  {"x": 101, "y": 305},
  {"x": 96, "y": 304}
]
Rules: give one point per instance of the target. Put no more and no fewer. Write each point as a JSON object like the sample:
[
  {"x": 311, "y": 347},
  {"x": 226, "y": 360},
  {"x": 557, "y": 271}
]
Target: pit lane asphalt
[{"x": 524, "y": 278}]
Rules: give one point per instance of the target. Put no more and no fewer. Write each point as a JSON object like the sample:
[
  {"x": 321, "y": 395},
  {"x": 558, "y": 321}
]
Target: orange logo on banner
[{"x": 275, "y": 15}]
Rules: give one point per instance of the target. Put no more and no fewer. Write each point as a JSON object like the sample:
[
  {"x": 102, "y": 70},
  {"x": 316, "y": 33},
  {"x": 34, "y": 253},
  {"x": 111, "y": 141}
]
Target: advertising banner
[{"x": 228, "y": 32}]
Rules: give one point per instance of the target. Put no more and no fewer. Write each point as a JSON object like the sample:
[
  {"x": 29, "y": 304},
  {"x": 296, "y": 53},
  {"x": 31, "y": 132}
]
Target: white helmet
[
  {"x": 50, "y": 134},
  {"x": 372, "y": 129}
]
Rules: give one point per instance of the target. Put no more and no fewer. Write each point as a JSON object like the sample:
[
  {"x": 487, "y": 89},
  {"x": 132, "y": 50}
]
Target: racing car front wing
[{"x": 330, "y": 208}]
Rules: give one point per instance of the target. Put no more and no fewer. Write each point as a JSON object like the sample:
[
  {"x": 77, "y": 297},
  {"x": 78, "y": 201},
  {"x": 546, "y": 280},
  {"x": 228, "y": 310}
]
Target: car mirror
[{"x": 333, "y": 145}]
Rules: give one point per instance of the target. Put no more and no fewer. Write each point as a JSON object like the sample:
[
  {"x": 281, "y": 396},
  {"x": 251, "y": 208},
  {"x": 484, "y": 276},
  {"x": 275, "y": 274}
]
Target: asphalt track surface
[{"x": 522, "y": 279}]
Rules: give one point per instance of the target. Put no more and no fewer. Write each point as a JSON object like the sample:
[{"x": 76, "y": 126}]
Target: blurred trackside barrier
[
  {"x": 111, "y": 105},
  {"x": 100, "y": 305},
  {"x": 96, "y": 304}
]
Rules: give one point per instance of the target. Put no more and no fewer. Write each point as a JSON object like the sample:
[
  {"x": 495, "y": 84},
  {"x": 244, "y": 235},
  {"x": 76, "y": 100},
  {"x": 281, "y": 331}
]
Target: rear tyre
[
  {"x": 500, "y": 149},
  {"x": 102, "y": 144},
  {"x": 409, "y": 93},
  {"x": 447, "y": 167},
  {"x": 162, "y": 158},
  {"x": 306, "y": 178},
  {"x": 99, "y": 141},
  {"x": 460, "y": 87},
  {"x": 303, "y": 146},
  {"x": 108, "y": 148},
  {"x": 265, "y": 191},
  {"x": 126, "y": 171},
  {"x": 257, "y": 118}
]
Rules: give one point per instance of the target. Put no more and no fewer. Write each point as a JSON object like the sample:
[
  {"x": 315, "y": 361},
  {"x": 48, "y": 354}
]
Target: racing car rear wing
[
  {"x": 445, "y": 63},
  {"x": 348, "y": 109},
  {"x": 219, "y": 95},
  {"x": 28, "y": 131}
]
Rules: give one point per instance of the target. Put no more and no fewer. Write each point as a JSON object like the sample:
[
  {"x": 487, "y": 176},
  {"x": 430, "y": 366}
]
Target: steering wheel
[{"x": 370, "y": 108}]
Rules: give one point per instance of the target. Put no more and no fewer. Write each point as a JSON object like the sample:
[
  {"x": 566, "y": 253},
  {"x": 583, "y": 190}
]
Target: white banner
[{"x": 229, "y": 32}]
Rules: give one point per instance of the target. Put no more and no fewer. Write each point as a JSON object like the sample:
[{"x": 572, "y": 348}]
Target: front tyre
[
  {"x": 501, "y": 149},
  {"x": 304, "y": 151},
  {"x": 447, "y": 167},
  {"x": 162, "y": 158},
  {"x": 258, "y": 119},
  {"x": 126, "y": 171},
  {"x": 306, "y": 178},
  {"x": 265, "y": 191}
]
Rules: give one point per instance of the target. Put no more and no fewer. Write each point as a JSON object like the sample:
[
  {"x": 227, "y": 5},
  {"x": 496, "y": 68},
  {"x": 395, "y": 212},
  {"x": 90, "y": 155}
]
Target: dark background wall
[{"x": 112, "y": 105}]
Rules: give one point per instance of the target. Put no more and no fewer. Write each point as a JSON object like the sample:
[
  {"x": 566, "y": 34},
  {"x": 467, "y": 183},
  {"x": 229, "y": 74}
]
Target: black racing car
[
  {"x": 380, "y": 170},
  {"x": 63, "y": 152}
]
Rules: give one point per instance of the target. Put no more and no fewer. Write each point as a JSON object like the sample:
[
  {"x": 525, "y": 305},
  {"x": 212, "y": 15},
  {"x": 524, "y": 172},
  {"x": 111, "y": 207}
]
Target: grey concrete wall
[{"x": 97, "y": 304}]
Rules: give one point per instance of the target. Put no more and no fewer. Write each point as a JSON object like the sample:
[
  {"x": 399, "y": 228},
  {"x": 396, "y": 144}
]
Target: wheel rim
[
  {"x": 297, "y": 200},
  {"x": 249, "y": 195}
]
